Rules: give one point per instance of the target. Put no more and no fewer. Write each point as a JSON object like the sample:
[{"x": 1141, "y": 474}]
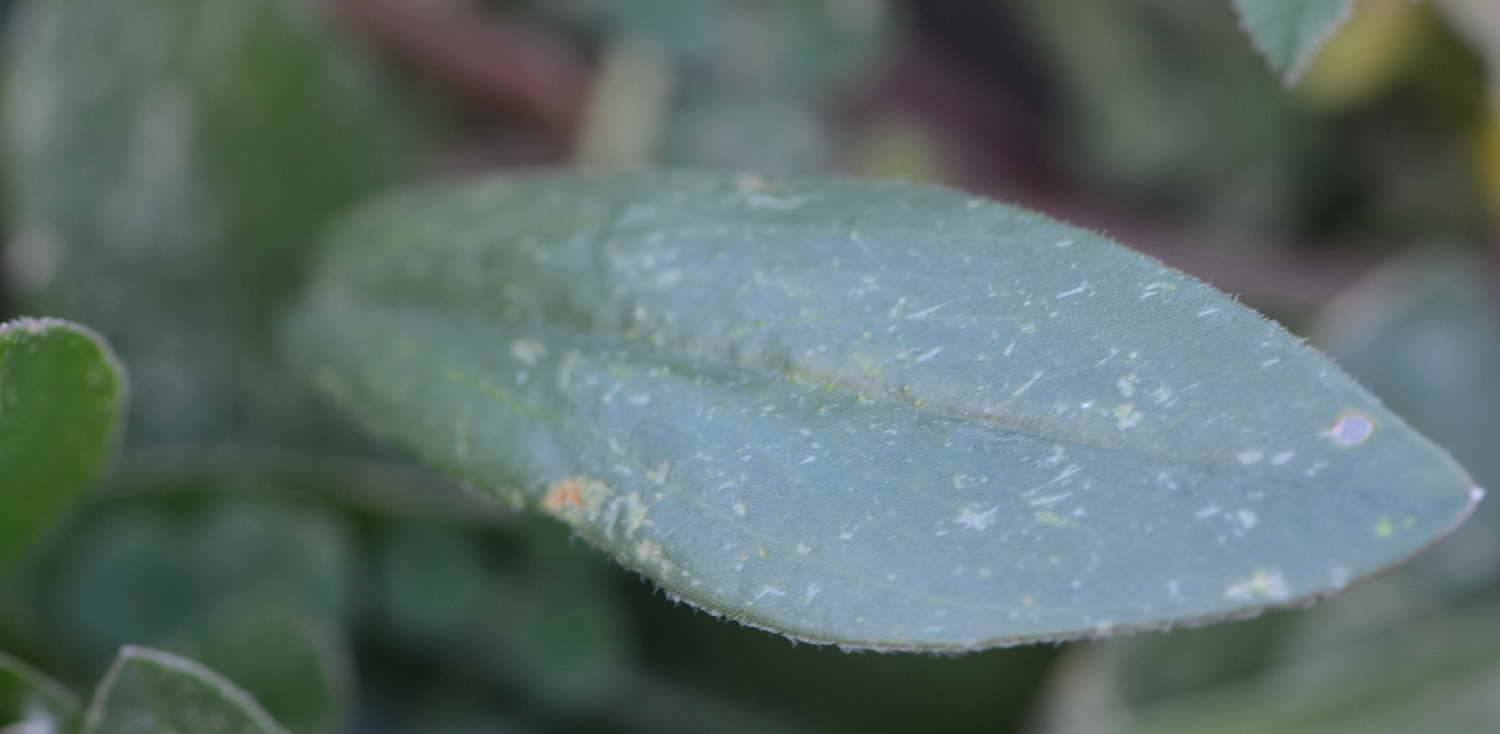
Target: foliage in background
[{"x": 168, "y": 161}]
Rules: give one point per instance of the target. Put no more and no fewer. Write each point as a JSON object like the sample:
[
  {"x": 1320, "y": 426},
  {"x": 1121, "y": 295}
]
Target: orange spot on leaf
[{"x": 564, "y": 494}]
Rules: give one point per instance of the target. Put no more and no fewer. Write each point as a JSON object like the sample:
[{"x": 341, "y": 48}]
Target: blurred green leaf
[
  {"x": 1161, "y": 100},
  {"x": 873, "y": 414},
  {"x": 546, "y": 622},
  {"x": 1436, "y": 675},
  {"x": 258, "y": 545},
  {"x": 720, "y": 83},
  {"x": 151, "y": 692},
  {"x": 770, "y": 135},
  {"x": 62, "y": 396},
  {"x": 166, "y": 163},
  {"x": 147, "y": 569},
  {"x": 115, "y": 577},
  {"x": 31, "y": 701},
  {"x": 798, "y": 48},
  {"x": 1290, "y": 32},
  {"x": 293, "y": 661}
]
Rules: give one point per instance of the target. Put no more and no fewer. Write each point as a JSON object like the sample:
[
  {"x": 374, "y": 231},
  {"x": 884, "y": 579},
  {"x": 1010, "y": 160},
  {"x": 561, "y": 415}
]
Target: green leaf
[
  {"x": 151, "y": 692},
  {"x": 545, "y": 623},
  {"x": 1435, "y": 674},
  {"x": 1425, "y": 333},
  {"x": 149, "y": 568},
  {"x": 1161, "y": 97},
  {"x": 296, "y": 664},
  {"x": 29, "y": 698},
  {"x": 167, "y": 162},
  {"x": 873, "y": 414},
  {"x": 792, "y": 47},
  {"x": 1290, "y": 32},
  {"x": 62, "y": 393}
]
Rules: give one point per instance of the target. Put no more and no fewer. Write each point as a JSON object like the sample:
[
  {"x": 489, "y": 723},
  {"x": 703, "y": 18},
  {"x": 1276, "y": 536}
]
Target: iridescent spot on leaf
[{"x": 1351, "y": 429}]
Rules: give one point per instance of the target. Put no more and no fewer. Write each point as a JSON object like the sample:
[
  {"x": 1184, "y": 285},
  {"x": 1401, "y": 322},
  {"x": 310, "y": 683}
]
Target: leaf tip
[{"x": 1289, "y": 38}]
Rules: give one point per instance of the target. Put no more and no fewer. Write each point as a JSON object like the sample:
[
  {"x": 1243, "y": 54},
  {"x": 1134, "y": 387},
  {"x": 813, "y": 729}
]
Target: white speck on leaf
[
  {"x": 1250, "y": 456},
  {"x": 650, "y": 552},
  {"x": 528, "y": 351},
  {"x": 895, "y": 311},
  {"x": 924, "y": 313},
  {"x": 1283, "y": 457},
  {"x": 973, "y": 519},
  {"x": 1152, "y": 289},
  {"x": 929, "y": 354},
  {"x": 1267, "y": 584},
  {"x": 1034, "y": 377},
  {"x": 1074, "y": 291},
  {"x": 769, "y": 591},
  {"x": 1050, "y": 499},
  {"x": 635, "y": 514}
]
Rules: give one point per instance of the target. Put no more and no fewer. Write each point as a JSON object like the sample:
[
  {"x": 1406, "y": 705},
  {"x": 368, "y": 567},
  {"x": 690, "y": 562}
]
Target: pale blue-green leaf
[
  {"x": 873, "y": 414},
  {"x": 31, "y": 701},
  {"x": 148, "y": 691},
  {"x": 1290, "y": 32},
  {"x": 1425, "y": 334},
  {"x": 62, "y": 396}
]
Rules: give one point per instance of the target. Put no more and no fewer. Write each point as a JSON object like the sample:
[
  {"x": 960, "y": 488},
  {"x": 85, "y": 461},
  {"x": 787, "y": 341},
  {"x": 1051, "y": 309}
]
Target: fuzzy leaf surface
[
  {"x": 873, "y": 414},
  {"x": 62, "y": 395}
]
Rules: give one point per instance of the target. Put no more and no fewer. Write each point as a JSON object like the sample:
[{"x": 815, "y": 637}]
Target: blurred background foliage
[{"x": 167, "y": 162}]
